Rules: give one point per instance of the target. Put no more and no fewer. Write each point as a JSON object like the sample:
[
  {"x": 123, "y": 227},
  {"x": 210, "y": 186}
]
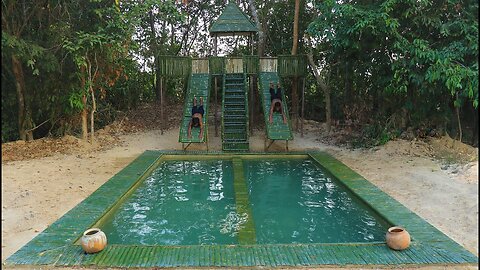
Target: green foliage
[
  {"x": 56, "y": 43},
  {"x": 393, "y": 55}
]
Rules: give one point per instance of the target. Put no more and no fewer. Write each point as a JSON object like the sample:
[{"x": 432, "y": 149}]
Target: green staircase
[{"x": 235, "y": 108}]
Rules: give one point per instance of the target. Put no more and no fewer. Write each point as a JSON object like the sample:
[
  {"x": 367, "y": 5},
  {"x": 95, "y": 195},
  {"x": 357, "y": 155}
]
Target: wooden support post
[
  {"x": 251, "y": 44},
  {"x": 270, "y": 144},
  {"x": 215, "y": 52},
  {"x": 162, "y": 102},
  {"x": 251, "y": 103},
  {"x": 303, "y": 107},
  {"x": 215, "y": 107},
  {"x": 287, "y": 145}
]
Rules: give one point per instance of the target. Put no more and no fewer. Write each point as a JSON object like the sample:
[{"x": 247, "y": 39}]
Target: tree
[
  {"x": 294, "y": 52},
  {"x": 321, "y": 83},
  {"x": 261, "y": 34},
  {"x": 17, "y": 17},
  {"x": 94, "y": 51},
  {"x": 406, "y": 60}
]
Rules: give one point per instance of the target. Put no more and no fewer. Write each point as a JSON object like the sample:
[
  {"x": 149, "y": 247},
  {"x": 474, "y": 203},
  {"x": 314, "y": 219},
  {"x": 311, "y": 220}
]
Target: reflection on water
[
  {"x": 293, "y": 201},
  {"x": 180, "y": 203},
  {"x": 232, "y": 223}
]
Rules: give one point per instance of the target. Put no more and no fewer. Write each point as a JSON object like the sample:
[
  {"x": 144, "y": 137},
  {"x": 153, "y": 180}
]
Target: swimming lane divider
[{"x": 246, "y": 234}]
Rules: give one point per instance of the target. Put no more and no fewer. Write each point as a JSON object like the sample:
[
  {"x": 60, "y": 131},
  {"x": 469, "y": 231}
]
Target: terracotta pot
[
  {"x": 397, "y": 238},
  {"x": 93, "y": 240}
]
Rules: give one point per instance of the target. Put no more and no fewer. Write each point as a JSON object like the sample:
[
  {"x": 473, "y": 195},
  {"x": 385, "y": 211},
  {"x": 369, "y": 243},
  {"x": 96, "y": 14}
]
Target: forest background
[{"x": 382, "y": 69}]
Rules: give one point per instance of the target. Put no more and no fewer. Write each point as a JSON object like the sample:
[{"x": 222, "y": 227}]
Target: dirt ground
[{"x": 436, "y": 178}]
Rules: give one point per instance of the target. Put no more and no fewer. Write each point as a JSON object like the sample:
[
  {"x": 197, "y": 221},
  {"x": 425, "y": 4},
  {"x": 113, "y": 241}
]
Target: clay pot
[
  {"x": 397, "y": 238},
  {"x": 93, "y": 240}
]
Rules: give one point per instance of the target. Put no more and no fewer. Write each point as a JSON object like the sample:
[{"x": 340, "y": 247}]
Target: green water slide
[
  {"x": 276, "y": 130},
  {"x": 198, "y": 86}
]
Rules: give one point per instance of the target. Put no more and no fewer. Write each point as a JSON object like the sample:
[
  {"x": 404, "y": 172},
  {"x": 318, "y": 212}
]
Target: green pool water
[
  {"x": 180, "y": 203},
  {"x": 193, "y": 203},
  {"x": 293, "y": 201}
]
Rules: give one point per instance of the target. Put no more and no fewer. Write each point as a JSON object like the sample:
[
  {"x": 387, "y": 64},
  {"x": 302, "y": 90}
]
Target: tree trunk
[
  {"x": 475, "y": 128},
  {"x": 28, "y": 123},
  {"x": 20, "y": 85},
  {"x": 84, "y": 103},
  {"x": 325, "y": 89},
  {"x": 295, "y": 79},
  {"x": 24, "y": 114},
  {"x": 84, "y": 118},
  {"x": 91, "y": 78},
  {"x": 457, "y": 110},
  {"x": 92, "y": 118},
  {"x": 261, "y": 34},
  {"x": 295, "y": 27},
  {"x": 155, "y": 55}
]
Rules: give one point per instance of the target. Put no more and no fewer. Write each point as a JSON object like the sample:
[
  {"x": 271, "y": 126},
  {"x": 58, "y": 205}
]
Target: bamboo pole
[
  {"x": 215, "y": 106},
  {"x": 303, "y": 106},
  {"x": 162, "y": 119},
  {"x": 251, "y": 103}
]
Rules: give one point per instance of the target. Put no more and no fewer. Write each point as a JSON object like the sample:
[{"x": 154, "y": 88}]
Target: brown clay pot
[
  {"x": 397, "y": 238},
  {"x": 93, "y": 240}
]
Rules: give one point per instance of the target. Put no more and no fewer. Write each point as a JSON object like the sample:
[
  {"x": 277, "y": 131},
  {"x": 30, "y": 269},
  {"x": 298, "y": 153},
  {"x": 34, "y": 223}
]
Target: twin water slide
[{"x": 198, "y": 86}]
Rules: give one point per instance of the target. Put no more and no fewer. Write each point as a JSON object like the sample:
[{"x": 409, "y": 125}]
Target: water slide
[
  {"x": 276, "y": 130},
  {"x": 198, "y": 86}
]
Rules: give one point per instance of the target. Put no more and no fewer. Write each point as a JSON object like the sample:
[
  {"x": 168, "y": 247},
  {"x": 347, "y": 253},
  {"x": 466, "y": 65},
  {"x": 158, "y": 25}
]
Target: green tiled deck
[{"x": 56, "y": 246}]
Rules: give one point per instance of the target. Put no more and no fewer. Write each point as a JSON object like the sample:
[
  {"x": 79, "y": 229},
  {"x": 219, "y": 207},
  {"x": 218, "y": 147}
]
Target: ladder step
[
  {"x": 234, "y": 80},
  {"x": 234, "y": 132},
  {"x": 234, "y": 103},
  {"x": 234, "y": 117},
  {"x": 236, "y": 142},
  {"x": 235, "y": 97},
  {"x": 233, "y": 124}
]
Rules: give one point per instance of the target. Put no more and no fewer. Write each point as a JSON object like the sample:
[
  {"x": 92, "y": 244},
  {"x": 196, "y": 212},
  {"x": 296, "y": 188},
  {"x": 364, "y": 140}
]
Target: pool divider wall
[
  {"x": 246, "y": 234},
  {"x": 55, "y": 245}
]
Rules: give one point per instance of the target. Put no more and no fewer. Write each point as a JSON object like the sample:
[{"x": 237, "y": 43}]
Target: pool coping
[{"x": 55, "y": 246}]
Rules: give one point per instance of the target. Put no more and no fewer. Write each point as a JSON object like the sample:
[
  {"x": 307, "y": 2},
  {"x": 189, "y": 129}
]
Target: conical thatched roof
[{"x": 232, "y": 21}]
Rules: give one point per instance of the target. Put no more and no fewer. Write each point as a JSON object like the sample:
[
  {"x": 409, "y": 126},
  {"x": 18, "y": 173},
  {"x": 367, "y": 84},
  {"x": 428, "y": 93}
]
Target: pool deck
[{"x": 57, "y": 245}]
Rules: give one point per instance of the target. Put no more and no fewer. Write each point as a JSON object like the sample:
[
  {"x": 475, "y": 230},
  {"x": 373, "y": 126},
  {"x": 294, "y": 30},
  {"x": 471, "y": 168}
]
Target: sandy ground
[{"x": 38, "y": 191}]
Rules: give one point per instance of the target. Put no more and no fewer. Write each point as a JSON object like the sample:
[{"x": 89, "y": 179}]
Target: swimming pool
[
  {"x": 254, "y": 209},
  {"x": 193, "y": 203}
]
